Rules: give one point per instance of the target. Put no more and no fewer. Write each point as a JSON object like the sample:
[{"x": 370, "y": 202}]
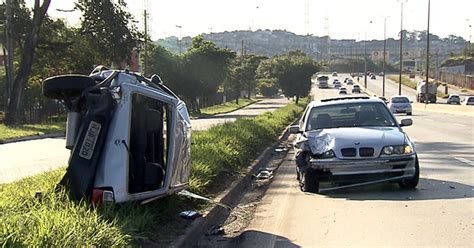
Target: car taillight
[{"x": 100, "y": 196}]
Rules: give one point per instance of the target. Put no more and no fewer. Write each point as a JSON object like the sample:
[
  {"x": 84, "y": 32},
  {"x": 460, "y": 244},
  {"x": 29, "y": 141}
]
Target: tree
[
  {"x": 13, "y": 108},
  {"x": 292, "y": 71},
  {"x": 108, "y": 28},
  {"x": 242, "y": 74},
  {"x": 206, "y": 67}
]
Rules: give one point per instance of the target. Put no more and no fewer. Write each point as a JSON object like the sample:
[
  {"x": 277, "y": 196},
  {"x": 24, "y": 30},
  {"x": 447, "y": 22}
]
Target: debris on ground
[
  {"x": 189, "y": 215},
  {"x": 264, "y": 174},
  {"x": 215, "y": 230},
  {"x": 196, "y": 196}
]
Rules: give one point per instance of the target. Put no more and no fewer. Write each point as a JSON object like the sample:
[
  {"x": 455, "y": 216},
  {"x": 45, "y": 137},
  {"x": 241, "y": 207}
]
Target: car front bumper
[{"x": 365, "y": 170}]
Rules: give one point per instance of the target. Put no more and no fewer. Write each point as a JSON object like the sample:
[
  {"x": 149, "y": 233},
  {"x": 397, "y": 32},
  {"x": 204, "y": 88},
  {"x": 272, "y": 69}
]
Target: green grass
[
  {"x": 405, "y": 81},
  {"x": 9, "y": 132},
  {"x": 219, "y": 154},
  {"x": 226, "y": 107}
]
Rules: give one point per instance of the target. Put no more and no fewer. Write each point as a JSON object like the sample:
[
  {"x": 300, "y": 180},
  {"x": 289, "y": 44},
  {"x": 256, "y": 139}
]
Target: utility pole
[
  {"x": 401, "y": 47},
  {"x": 427, "y": 55},
  {"x": 384, "y": 53},
  {"x": 9, "y": 69},
  {"x": 180, "y": 38},
  {"x": 145, "y": 22}
]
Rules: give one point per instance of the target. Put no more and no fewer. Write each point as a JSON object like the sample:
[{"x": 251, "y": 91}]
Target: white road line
[
  {"x": 428, "y": 119},
  {"x": 459, "y": 125},
  {"x": 467, "y": 161}
]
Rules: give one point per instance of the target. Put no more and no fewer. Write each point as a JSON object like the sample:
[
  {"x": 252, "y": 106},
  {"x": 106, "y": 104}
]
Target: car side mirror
[
  {"x": 406, "y": 122},
  {"x": 294, "y": 129}
]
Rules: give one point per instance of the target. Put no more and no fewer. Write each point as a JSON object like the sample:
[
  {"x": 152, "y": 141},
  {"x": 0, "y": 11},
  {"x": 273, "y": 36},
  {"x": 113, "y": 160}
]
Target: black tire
[
  {"x": 409, "y": 113},
  {"x": 412, "y": 182},
  {"x": 66, "y": 85},
  {"x": 309, "y": 182}
]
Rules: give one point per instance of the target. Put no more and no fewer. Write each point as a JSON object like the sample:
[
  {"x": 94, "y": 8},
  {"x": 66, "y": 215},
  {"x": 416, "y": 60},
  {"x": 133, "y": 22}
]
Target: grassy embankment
[
  {"x": 225, "y": 107},
  {"x": 219, "y": 154},
  {"x": 10, "y": 132},
  {"x": 412, "y": 84}
]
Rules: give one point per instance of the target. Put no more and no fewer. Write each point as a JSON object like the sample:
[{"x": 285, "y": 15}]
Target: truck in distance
[
  {"x": 323, "y": 82},
  {"x": 421, "y": 95}
]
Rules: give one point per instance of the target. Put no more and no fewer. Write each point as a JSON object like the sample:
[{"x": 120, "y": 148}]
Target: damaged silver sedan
[{"x": 348, "y": 142}]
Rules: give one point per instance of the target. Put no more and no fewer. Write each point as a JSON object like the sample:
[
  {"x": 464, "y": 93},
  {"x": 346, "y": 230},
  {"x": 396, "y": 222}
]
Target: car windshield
[
  {"x": 400, "y": 100},
  {"x": 454, "y": 97},
  {"x": 364, "y": 114}
]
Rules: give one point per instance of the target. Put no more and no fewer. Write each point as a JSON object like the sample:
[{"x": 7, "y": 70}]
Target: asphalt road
[
  {"x": 439, "y": 213},
  {"x": 21, "y": 159}
]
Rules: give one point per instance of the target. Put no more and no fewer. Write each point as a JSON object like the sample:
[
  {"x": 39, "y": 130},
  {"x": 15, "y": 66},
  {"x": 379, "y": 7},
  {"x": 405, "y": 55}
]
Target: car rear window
[
  {"x": 470, "y": 99},
  {"x": 400, "y": 100}
]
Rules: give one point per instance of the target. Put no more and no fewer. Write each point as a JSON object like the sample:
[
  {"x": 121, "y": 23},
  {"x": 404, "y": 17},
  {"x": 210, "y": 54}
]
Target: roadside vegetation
[
  {"x": 219, "y": 154},
  {"x": 225, "y": 107},
  {"x": 405, "y": 81},
  {"x": 11, "y": 132}
]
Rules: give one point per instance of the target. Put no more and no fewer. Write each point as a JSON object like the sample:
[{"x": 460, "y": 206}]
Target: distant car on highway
[
  {"x": 334, "y": 74},
  {"x": 468, "y": 100},
  {"x": 352, "y": 141},
  {"x": 350, "y": 81},
  {"x": 454, "y": 99},
  {"x": 337, "y": 85},
  {"x": 335, "y": 80},
  {"x": 373, "y": 77},
  {"x": 400, "y": 104},
  {"x": 356, "y": 89},
  {"x": 342, "y": 91}
]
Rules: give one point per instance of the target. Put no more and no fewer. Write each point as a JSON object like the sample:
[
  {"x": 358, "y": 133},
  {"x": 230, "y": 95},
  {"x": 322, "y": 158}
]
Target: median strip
[{"x": 52, "y": 219}]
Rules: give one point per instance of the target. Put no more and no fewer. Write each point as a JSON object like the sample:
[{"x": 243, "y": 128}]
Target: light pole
[
  {"x": 179, "y": 41},
  {"x": 427, "y": 55},
  {"x": 401, "y": 46},
  {"x": 384, "y": 52},
  {"x": 365, "y": 59}
]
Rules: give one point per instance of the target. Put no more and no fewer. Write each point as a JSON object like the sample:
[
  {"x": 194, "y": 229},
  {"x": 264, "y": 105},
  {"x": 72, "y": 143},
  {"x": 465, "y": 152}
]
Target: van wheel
[
  {"x": 412, "y": 182},
  {"x": 66, "y": 85},
  {"x": 309, "y": 182}
]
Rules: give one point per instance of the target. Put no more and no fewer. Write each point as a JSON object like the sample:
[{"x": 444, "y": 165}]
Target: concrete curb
[
  {"x": 230, "y": 197},
  {"x": 33, "y": 137}
]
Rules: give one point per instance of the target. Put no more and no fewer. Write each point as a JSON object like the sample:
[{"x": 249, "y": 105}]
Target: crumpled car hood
[{"x": 324, "y": 140}]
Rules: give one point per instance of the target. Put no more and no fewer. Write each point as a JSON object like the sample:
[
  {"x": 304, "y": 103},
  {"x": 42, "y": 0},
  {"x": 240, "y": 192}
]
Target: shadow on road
[
  {"x": 258, "y": 239},
  {"x": 428, "y": 189}
]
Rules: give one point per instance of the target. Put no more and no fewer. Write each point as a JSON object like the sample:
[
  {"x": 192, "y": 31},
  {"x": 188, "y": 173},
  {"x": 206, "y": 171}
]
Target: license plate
[{"x": 87, "y": 148}]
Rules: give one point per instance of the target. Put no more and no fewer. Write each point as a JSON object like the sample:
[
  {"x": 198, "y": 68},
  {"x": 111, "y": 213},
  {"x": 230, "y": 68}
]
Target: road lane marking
[
  {"x": 467, "y": 161},
  {"x": 459, "y": 125}
]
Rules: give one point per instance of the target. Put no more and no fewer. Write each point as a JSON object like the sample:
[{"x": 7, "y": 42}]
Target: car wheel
[
  {"x": 412, "y": 182},
  {"x": 66, "y": 85},
  {"x": 409, "y": 113},
  {"x": 309, "y": 182}
]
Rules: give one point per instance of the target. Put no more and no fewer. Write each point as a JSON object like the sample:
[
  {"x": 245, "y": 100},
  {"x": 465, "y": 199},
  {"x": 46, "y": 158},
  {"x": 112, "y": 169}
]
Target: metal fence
[{"x": 460, "y": 80}]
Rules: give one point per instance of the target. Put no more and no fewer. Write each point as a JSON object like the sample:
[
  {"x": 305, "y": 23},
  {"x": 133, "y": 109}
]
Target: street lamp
[
  {"x": 179, "y": 41},
  {"x": 384, "y": 52},
  {"x": 427, "y": 55},
  {"x": 365, "y": 59},
  {"x": 401, "y": 46}
]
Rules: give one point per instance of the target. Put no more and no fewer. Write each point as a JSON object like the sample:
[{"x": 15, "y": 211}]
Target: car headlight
[
  {"x": 325, "y": 155},
  {"x": 397, "y": 150}
]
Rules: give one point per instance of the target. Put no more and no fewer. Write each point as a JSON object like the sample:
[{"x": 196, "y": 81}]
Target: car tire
[
  {"x": 409, "y": 113},
  {"x": 412, "y": 182},
  {"x": 309, "y": 182},
  {"x": 66, "y": 86}
]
